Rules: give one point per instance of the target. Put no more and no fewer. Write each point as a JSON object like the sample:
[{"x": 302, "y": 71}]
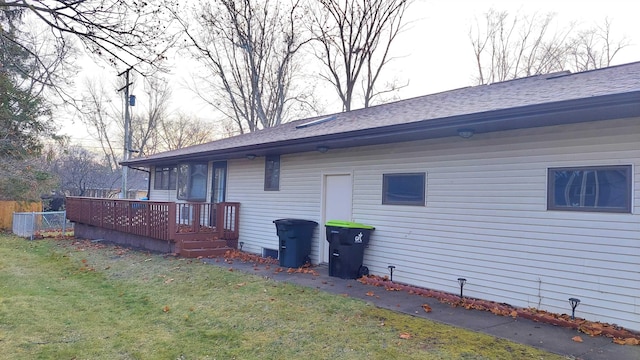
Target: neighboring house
[
  {"x": 137, "y": 186},
  {"x": 529, "y": 189}
]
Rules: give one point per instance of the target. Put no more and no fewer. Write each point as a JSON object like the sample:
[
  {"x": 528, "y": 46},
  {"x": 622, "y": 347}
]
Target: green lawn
[{"x": 69, "y": 299}]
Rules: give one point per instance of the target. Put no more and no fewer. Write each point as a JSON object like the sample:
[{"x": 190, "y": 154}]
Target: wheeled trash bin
[
  {"x": 347, "y": 241},
  {"x": 295, "y": 241}
]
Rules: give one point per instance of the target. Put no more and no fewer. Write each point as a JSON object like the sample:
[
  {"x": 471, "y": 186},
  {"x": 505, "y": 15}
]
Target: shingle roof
[{"x": 526, "y": 93}]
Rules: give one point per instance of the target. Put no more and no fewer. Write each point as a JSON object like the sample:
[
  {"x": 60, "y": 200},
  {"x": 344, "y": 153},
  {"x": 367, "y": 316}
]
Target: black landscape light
[
  {"x": 391, "y": 268},
  {"x": 574, "y": 304},
  {"x": 461, "y": 281}
]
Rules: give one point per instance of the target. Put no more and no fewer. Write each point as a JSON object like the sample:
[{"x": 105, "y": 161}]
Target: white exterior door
[{"x": 337, "y": 202}]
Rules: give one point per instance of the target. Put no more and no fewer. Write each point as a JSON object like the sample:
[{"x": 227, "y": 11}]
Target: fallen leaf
[
  {"x": 405, "y": 336},
  {"x": 168, "y": 281},
  {"x": 165, "y": 309},
  {"x": 370, "y": 293},
  {"x": 631, "y": 341},
  {"x": 426, "y": 308},
  {"x": 577, "y": 339},
  {"x": 618, "y": 341}
]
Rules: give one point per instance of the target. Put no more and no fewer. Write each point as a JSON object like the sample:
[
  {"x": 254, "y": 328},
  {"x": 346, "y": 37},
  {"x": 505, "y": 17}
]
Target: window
[
  {"x": 165, "y": 178},
  {"x": 272, "y": 173},
  {"x": 219, "y": 184},
  {"x": 596, "y": 188},
  {"x": 403, "y": 189},
  {"x": 192, "y": 182}
]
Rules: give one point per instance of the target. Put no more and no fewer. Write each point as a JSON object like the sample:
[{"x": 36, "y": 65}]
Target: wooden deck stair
[{"x": 201, "y": 248}]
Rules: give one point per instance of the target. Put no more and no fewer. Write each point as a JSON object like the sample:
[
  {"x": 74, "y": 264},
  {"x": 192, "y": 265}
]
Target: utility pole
[{"x": 127, "y": 132}]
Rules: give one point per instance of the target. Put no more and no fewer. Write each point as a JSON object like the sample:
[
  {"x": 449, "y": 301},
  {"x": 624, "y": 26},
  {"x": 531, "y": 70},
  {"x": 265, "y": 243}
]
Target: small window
[
  {"x": 597, "y": 188},
  {"x": 192, "y": 182},
  {"x": 165, "y": 178},
  {"x": 272, "y": 173},
  {"x": 403, "y": 189}
]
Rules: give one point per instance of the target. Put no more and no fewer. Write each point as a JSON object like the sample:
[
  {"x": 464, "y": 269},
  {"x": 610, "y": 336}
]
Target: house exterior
[{"x": 529, "y": 189}]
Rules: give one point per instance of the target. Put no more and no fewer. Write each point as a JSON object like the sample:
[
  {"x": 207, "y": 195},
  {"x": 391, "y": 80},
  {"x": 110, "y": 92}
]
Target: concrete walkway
[{"x": 550, "y": 338}]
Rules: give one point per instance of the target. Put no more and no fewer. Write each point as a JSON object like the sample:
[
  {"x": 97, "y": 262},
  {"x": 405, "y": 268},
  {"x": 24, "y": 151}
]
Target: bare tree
[
  {"x": 78, "y": 172},
  {"x": 125, "y": 33},
  {"x": 509, "y": 47},
  {"x": 145, "y": 125},
  {"x": 595, "y": 48},
  {"x": 355, "y": 41},
  {"x": 249, "y": 50},
  {"x": 25, "y": 179},
  {"x": 101, "y": 117},
  {"x": 104, "y": 119},
  {"x": 182, "y": 131},
  {"x": 37, "y": 60}
]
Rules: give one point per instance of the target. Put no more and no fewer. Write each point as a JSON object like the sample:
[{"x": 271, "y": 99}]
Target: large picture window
[
  {"x": 272, "y": 173},
  {"x": 192, "y": 182},
  {"x": 596, "y": 188},
  {"x": 403, "y": 189},
  {"x": 165, "y": 178}
]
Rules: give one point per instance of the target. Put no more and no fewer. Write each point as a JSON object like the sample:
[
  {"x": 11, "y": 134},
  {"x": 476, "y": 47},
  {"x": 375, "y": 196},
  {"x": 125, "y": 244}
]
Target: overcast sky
[
  {"x": 434, "y": 53},
  {"x": 438, "y": 52}
]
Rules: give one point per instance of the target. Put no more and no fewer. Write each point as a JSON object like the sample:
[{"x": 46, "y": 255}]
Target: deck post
[{"x": 171, "y": 228}]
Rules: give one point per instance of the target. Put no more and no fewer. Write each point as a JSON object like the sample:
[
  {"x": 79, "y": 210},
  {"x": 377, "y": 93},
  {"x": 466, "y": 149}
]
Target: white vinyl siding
[
  {"x": 485, "y": 217},
  {"x": 299, "y": 198}
]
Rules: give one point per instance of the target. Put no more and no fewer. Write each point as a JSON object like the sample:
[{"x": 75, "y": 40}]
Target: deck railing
[{"x": 156, "y": 219}]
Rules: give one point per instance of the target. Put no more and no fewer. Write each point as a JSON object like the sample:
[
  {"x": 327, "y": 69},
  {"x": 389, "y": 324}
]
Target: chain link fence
[{"x": 36, "y": 225}]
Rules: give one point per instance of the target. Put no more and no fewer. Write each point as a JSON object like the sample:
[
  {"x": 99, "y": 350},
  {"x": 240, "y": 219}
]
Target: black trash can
[
  {"x": 347, "y": 241},
  {"x": 295, "y": 241}
]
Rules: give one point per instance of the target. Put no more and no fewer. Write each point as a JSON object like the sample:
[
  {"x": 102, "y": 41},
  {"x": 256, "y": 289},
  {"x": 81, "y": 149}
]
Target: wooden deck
[{"x": 193, "y": 226}]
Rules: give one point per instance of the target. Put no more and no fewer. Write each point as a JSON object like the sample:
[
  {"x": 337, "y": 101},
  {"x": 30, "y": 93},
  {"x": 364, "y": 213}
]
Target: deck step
[
  {"x": 203, "y": 244},
  {"x": 209, "y": 252}
]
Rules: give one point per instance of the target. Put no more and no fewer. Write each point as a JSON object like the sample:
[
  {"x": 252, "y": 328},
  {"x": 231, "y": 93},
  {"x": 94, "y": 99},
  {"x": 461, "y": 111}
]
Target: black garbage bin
[
  {"x": 347, "y": 241},
  {"x": 295, "y": 241}
]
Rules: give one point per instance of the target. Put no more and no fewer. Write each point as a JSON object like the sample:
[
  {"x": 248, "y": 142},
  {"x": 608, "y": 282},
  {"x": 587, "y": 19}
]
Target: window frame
[
  {"x": 272, "y": 173},
  {"x": 169, "y": 172},
  {"x": 551, "y": 190},
  {"x": 390, "y": 176},
  {"x": 186, "y": 193},
  {"x": 218, "y": 182}
]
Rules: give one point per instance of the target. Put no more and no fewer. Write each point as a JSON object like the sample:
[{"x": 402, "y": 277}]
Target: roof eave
[{"x": 548, "y": 114}]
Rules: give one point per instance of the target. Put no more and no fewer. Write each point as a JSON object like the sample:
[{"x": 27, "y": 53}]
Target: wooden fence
[{"x": 8, "y": 207}]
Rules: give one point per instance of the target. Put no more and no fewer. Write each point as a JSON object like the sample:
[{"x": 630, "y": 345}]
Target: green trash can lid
[{"x": 348, "y": 224}]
